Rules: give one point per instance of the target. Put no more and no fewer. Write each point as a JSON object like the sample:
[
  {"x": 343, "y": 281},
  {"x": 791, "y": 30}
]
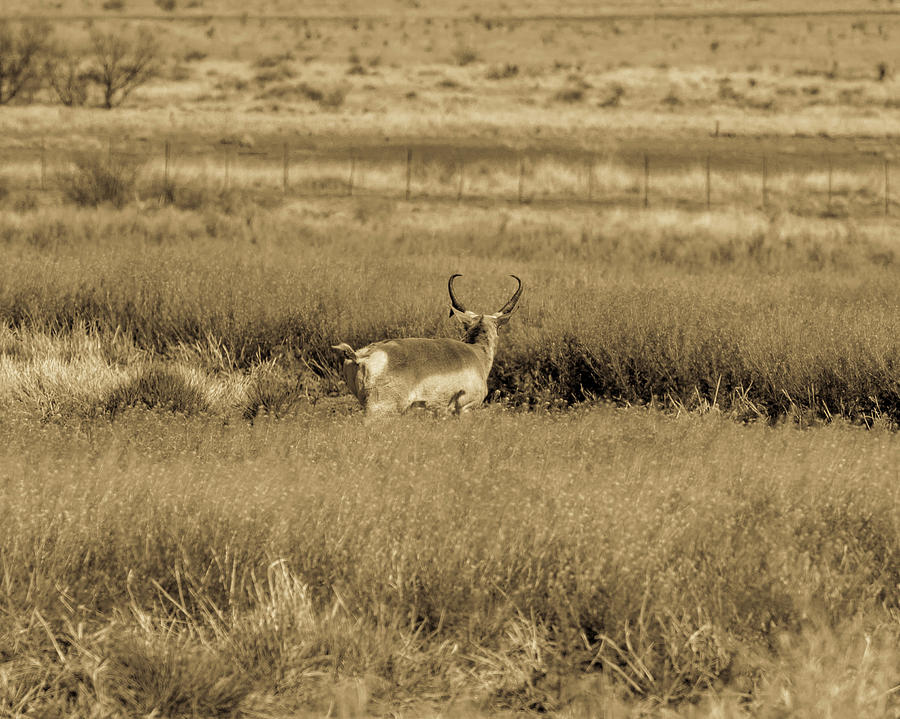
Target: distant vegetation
[
  {"x": 116, "y": 64},
  {"x": 21, "y": 48}
]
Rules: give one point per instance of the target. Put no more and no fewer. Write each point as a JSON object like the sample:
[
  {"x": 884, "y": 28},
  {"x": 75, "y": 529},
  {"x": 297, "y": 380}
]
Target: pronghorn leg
[{"x": 458, "y": 403}]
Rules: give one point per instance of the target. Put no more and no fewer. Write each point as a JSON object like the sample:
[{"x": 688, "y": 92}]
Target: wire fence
[{"x": 828, "y": 185}]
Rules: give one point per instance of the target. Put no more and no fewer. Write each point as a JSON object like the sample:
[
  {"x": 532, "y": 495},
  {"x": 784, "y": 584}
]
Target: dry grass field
[{"x": 681, "y": 497}]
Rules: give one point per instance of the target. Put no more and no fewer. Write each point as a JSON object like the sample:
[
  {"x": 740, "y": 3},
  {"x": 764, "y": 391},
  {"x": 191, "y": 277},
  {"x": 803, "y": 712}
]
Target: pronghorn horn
[
  {"x": 457, "y": 305},
  {"x": 511, "y": 305}
]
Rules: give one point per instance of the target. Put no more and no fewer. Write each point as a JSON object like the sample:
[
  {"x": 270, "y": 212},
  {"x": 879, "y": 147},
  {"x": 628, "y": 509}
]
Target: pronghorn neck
[{"x": 483, "y": 335}]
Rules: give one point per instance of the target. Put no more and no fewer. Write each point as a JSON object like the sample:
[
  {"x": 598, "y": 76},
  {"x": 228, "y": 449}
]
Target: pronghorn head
[{"x": 486, "y": 325}]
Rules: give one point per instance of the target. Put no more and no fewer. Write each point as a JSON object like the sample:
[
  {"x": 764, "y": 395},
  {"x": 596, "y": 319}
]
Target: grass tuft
[
  {"x": 154, "y": 672},
  {"x": 158, "y": 386},
  {"x": 272, "y": 391}
]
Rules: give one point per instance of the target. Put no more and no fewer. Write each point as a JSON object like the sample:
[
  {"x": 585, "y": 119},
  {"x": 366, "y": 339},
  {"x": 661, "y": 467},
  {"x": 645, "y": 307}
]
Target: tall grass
[
  {"x": 518, "y": 560},
  {"x": 763, "y": 316}
]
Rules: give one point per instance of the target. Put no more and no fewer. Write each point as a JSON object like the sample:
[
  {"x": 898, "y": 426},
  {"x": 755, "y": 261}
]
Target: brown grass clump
[{"x": 158, "y": 386}]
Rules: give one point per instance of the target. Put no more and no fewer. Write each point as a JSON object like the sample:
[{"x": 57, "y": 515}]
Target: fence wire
[{"x": 830, "y": 185}]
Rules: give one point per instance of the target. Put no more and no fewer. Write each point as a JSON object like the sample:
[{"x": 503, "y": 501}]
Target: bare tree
[
  {"x": 67, "y": 77},
  {"x": 20, "y": 50},
  {"x": 122, "y": 63}
]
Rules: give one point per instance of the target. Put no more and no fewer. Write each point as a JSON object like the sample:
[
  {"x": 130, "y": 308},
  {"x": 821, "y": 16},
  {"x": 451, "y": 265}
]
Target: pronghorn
[{"x": 443, "y": 374}]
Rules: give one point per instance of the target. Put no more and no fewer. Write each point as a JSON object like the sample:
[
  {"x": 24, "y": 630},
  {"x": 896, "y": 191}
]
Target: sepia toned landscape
[{"x": 680, "y": 497}]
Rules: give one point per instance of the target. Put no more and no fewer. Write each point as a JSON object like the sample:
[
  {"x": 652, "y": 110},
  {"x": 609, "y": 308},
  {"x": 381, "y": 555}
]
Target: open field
[
  {"x": 193, "y": 522},
  {"x": 681, "y": 497},
  {"x": 188, "y": 566}
]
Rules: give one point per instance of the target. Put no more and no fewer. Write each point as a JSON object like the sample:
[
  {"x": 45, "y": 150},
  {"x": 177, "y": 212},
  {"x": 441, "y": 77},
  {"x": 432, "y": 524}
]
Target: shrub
[
  {"x": 20, "y": 49},
  {"x": 122, "y": 64},
  {"x": 671, "y": 99},
  {"x": 570, "y": 94},
  {"x": 332, "y": 98},
  {"x": 158, "y": 387},
  {"x": 98, "y": 178},
  {"x": 67, "y": 78},
  {"x": 272, "y": 391},
  {"x": 194, "y": 196},
  {"x": 26, "y": 202},
  {"x": 149, "y": 671},
  {"x": 616, "y": 92},
  {"x": 168, "y": 192},
  {"x": 274, "y": 74},
  {"x": 464, "y": 55},
  {"x": 269, "y": 61},
  {"x": 503, "y": 72}
]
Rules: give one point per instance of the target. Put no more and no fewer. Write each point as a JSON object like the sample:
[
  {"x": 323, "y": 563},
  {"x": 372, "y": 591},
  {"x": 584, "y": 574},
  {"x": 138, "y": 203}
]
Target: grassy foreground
[{"x": 184, "y": 566}]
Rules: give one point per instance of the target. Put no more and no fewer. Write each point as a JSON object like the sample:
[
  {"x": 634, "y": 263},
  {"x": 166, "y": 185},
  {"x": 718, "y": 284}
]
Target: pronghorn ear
[
  {"x": 346, "y": 350},
  {"x": 501, "y": 317},
  {"x": 464, "y": 317}
]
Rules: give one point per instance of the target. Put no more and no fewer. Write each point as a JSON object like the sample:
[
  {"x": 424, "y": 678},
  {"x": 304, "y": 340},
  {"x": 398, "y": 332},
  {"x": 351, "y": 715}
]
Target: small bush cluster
[
  {"x": 96, "y": 178},
  {"x": 331, "y": 98},
  {"x": 502, "y": 72},
  {"x": 464, "y": 55}
]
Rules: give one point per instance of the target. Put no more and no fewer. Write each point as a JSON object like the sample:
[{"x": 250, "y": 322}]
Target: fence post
[
  {"x": 166, "y": 171},
  {"x": 521, "y": 176},
  {"x": 590, "y": 179},
  {"x": 227, "y": 168},
  {"x": 830, "y": 173},
  {"x": 765, "y": 175},
  {"x": 287, "y": 164},
  {"x": 408, "y": 171},
  {"x": 887, "y": 187},
  {"x": 43, "y": 165},
  {"x": 708, "y": 184},
  {"x": 646, "y": 180},
  {"x": 352, "y": 170}
]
